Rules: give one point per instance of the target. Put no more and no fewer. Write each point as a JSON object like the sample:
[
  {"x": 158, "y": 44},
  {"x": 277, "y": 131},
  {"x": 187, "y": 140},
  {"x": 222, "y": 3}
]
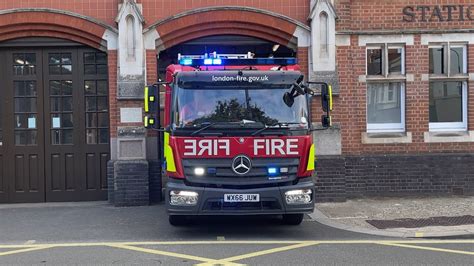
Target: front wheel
[
  {"x": 177, "y": 220},
  {"x": 293, "y": 219}
]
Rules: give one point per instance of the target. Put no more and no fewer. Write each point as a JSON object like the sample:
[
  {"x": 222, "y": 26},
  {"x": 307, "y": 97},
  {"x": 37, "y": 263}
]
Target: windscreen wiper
[
  {"x": 280, "y": 124},
  {"x": 207, "y": 125}
]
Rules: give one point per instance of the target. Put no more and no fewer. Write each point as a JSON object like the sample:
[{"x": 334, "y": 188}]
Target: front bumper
[{"x": 211, "y": 200}]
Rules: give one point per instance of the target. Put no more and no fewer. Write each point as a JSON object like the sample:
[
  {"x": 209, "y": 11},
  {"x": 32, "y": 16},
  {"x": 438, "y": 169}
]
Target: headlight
[
  {"x": 183, "y": 198},
  {"x": 298, "y": 196}
]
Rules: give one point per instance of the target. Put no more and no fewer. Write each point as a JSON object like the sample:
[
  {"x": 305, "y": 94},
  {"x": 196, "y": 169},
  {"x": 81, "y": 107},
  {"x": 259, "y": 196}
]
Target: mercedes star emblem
[{"x": 241, "y": 165}]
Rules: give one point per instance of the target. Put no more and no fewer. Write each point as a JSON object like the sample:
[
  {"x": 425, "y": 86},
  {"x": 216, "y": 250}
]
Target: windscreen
[{"x": 261, "y": 104}]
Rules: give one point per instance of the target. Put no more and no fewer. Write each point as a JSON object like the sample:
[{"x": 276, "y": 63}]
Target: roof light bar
[
  {"x": 215, "y": 59},
  {"x": 285, "y": 61}
]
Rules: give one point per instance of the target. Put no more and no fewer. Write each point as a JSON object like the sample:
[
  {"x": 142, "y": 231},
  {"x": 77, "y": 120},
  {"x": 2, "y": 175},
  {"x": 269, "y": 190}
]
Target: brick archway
[
  {"x": 53, "y": 23},
  {"x": 227, "y": 21}
]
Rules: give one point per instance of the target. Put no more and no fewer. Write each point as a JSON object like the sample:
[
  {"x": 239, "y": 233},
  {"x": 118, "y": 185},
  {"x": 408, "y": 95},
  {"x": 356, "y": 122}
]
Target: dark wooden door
[
  {"x": 23, "y": 128},
  {"x": 3, "y": 163},
  {"x": 76, "y": 124},
  {"x": 54, "y": 125}
]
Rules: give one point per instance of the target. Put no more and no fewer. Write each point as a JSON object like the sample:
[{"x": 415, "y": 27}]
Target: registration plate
[{"x": 241, "y": 197}]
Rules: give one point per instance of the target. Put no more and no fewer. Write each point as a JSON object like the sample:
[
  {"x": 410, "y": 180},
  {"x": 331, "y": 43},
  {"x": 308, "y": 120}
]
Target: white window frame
[
  {"x": 385, "y": 64},
  {"x": 453, "y": 126},
  {"x": 463, "y": 77},
  {"x": 388, "y": 127}
]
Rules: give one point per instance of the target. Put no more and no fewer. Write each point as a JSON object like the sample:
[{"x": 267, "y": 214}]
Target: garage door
[{"x": 54, "y": 135}]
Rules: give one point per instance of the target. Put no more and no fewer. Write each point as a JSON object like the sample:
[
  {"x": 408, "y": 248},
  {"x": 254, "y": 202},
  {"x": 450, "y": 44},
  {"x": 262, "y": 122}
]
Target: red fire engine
[{"x": 237, "y": 136}]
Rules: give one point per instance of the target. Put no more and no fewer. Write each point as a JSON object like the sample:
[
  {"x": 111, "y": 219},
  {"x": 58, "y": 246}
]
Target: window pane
[
  {"x": 102, "y": 87},
  {"x": 89, "y": 58},
  {"x": 437, "y": 60},
  {"x": 91, "y": 104},
  {"x": 55, "y": 87},
  {"x": 30, "y": 59},
  {"x": 66, "y": 120},
  {"x": 67, "y": 87},
  {"x": 25, "y": 105},
  {"x": 445, "y": 101},
  {"x": 457, "y": 55},
  {"x": 66, "y": 137},
  {"x": 66, "y": 59},
  {"x": 55, "y": 104},
  {"x": 25, "y": 88},
  {"x": 67, "y": 104},
  {"x": 54, "y": 59},
  {"x": 103, "y": 136},
  {"x": 395, "y": 60},
  {"x": 374, "y": 62},
  {"x": 89, "y": 87},
  {"x": 66, "y": 69},
  {"x": 103, "y": 119},
  {"x": 102, "y": 69},
  {"x": 55, "y": 136},
  {"x": 91, "y": 136},
  {"x": 89, "y": 69},
  {"x": 91, "y": 120},
  {"x": 384, "y": 103},
  {"x": 55, "y": 69},
  {"x": 101, "y": 58},
  {"x": 102, "y": 105}
]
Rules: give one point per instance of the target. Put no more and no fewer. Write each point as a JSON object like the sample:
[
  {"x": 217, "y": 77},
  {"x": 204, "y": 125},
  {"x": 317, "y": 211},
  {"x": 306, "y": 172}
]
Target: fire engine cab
[{"x": 236, "y": 136}]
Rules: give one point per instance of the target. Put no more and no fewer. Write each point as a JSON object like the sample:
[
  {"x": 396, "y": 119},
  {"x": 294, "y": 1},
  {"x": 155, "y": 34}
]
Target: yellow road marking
[
  {"x": 419, "y": 234},
  {"x": 166, "y": 253},
  {"x": 261, "y": 253},
  {"x": 215, "y": 242},
  {"x": 23, "y": 250},
  {"x": 429, "y": 248}
]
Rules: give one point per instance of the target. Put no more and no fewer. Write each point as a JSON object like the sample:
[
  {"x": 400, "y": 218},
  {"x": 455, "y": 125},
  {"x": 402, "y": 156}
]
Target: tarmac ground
[{"x": 97, "y": 233}]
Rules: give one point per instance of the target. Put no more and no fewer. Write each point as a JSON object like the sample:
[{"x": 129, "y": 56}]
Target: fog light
[
  {"x": 298, "y": 196},
  {"x": 199, "y": 171},
  {"x": 183, "y": 198}
]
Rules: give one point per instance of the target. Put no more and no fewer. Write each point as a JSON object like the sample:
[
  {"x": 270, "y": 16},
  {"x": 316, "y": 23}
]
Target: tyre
[
  {"x": 177, "y": 220},
  {"x": 293, "y": 219}
]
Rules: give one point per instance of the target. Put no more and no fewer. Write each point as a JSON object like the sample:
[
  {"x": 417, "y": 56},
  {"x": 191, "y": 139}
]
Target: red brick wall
[
  {"x": 114, "y": 111},
  {"x": 352, "y": 105},
  {"x": 154, "y": 10},
  {"x": 388, "y": 15},
  {"x": 105, "y": 10},
  {"x": 373, "y": 15}
]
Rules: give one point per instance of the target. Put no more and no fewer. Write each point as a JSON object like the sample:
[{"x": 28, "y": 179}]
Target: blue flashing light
[
  {"x": 186, "y": 62},
  {"x": 272, "y": 170},
  {"x": 211, "y": 170},
  {"x": 237, "y": 61}
]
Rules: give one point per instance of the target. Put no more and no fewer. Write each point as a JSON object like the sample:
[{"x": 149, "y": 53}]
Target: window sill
[
  {"x": 390, "y": 78},
  {"x": 386, "y": 138},
  {"x": 462, "y": 77},
  {"x": 449, "y": 136}
]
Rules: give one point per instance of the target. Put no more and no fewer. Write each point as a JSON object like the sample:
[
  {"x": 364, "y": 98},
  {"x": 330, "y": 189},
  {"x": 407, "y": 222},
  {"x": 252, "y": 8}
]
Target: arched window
[
  {"x": 324, "y": 34},
  {"x": 131, "y": 37}
]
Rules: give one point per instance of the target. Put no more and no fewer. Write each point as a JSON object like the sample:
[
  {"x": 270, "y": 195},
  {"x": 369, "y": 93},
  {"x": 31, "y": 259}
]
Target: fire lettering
[
  {"x": 276, "y": 146},
  {"x": 189, "y": 147},
  {"x": 292, "y": 146},
  {"x": 207, "y": 147}
]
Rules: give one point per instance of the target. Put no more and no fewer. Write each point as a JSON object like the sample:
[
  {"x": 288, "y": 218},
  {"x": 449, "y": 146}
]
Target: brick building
[{"x": 74, "y": 73}]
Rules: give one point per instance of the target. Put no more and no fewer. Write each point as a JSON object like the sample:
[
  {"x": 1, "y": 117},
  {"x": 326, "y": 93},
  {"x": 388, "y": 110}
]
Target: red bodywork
[{"x": 216, "y": 147}]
